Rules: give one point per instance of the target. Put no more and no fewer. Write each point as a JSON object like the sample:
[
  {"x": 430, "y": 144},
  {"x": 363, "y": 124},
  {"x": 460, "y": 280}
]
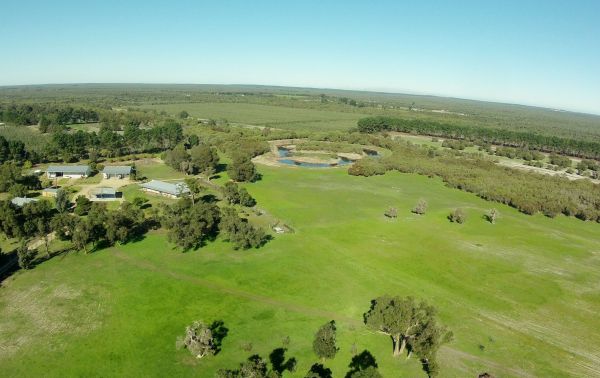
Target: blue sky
[{"x": 530, "y": 52}]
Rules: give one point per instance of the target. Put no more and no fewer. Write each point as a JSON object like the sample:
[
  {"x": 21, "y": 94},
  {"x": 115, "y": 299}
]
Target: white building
[{"x": 68, "y": 171}]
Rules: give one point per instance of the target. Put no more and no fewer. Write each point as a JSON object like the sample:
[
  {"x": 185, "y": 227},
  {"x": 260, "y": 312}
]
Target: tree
[
  {"x": 204, "y": 157},
  {"x": 183, "y": 114},
  {"x": 324, "y": 341},
  {"x": 139, "y": 202},
  {"x": 37, "y": 217},
  {"x": 239, "y": 231},
  {"x": 191, "y": 225},
  {"x": 458, "y": 216},
  {"x": 198, "y": 339},
  {"x": 124, "y": 224},
  {"x": 63, "y": 224},
  {"x": 195, "y": 188},
  {"x": 420, "y": 208},
  {"x": 18, "y": 190},
  {"x": 25, "y": 256},
  {"x": 492, "y": 215},
  {"x": 82, "y": 205},
  {"x": 391, "y": 212},
  {"x": 400, "y": 318},
  {"x": 62, "y": 201},
  {"x": 231, "y": 192},
  {"x": 245, "y": 198},
  {"x": 242, "y": 169},
  {"x": 82, "y": 234},
  {"x": 177, "y": 157}
]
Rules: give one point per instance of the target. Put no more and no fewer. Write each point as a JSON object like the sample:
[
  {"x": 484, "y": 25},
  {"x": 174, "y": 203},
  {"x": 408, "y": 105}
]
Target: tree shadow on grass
[
  {"x": 319, "y": 371},
  {"x": 219, "y": 332},
  {"x": 360, "y": 362},
  {"x": 279, "y": 362}
]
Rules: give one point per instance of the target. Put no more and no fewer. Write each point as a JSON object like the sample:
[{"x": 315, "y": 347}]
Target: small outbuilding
[
  {"x": 167, "y": 189},
  {"x": 22, "y": 201},
  {"x": 68, "y": 171},
  {"x": 118, "y": 171},
  {"x": 50, "y": 192},
  {"x": 103, "y": 194}
]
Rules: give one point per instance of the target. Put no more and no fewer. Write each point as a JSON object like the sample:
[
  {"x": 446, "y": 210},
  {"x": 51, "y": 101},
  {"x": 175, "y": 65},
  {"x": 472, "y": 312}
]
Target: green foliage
[
  {"x": 492, "y": 215},
  {"x": 458, "y": 216},
  {"x": 319, "y": 371},
  {"x": 236, "y": 195},
  {"x": 242, "y": 169},
  {"x": 240, "y": 232},
  {"x": 408, "y": 323},
  {"x": 82, "y": 205},
  {"x": 191, "y": 225},
  {"x": 204, "y": 157},
  {"x": 25, "y": 256},
  {"x": 559, "y": 160},
  {"x": 421, "y": 207},
  {"x": 391, "y": 212},
  {"x": 567, "y": 146},
  {"x": 198, "y": 339},
  {"x": 367, "y": 167},
  {"x": 324, "y": 342},
  {"x": 62, "y": 202}
]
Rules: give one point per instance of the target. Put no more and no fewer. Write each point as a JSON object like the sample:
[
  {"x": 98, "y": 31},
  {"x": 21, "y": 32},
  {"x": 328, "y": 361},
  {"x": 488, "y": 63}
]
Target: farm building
[
  {"x": 118, "y": 171},
  {"x": 69, "y": 171},
  {"x": 49, "y": 192},
  {"x": 166, "y": 189},
  {"x": 103, "y": 194},
  {"x": 22, "y": 201}
]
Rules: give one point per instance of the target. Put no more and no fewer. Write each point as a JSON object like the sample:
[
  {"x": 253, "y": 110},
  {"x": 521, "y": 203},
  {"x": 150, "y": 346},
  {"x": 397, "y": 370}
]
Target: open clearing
[
  {"x": 520, "y": 296},
  {"x": 266, "y": 115}
]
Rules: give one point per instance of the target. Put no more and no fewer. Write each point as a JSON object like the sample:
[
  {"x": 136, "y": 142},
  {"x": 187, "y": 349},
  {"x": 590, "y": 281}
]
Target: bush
[
  {"x": 457, "y": 216},
  {"x": 392, "y": 212},
  {"x": 420, "y": 208}
]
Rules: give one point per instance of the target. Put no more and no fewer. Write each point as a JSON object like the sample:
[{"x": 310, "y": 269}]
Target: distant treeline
[
  {"x": 528, "y": 192},
  {"x": 45, "y": 114},
  {"x": 572, "y": 147}
]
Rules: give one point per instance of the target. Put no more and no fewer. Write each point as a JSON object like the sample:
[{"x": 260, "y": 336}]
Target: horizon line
[{"x": 375, "y": 91}]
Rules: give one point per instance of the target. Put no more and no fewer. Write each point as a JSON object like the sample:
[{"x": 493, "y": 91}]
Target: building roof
[
  {"x": 78, "y": 169},
  {"x": 22, "y": 201},
  {"x": 117, "y": 170},
  {"x": 104, "y": 191},
  {"x": 174, "y": 189}
]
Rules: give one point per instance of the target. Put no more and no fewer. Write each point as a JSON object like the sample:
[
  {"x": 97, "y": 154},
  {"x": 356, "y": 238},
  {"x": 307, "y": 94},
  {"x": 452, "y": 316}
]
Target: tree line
[
  {"x": 45, "y": 115},
  {"x": 486, "y": 135}
]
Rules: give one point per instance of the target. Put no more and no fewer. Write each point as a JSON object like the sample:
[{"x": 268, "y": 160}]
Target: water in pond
[{"x": 284, "y": 153}]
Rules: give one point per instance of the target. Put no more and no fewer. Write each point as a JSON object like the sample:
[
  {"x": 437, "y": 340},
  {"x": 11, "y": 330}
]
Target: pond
[{"x": 284, "y": 153}]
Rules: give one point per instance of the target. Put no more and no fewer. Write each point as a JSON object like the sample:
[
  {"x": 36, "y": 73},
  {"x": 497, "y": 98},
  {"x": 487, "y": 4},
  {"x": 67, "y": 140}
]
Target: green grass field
[
  {"x": 266, "y": 115},
  {"x": 521, "y": 296}
]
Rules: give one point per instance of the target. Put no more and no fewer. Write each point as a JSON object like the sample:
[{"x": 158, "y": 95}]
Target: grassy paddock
[{"x": 520, "y": 295}]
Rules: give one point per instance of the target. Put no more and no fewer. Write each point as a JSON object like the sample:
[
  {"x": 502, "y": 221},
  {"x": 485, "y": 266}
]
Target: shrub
[{"x": 457, "y": 216}]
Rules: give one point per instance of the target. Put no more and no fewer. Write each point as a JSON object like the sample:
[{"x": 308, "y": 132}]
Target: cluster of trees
[
  {"x": 45, "y": 115},
  {"x": 521, "y": 153},
  {"x": 190, "y": 223},
  {"x": 109, "y": 143},
  {"x": 236, "y": 195},
  {"x": 12, "y": 150},
  {"x": 14, "y": 181},
  {"x": 199, "y": 158},
  {"x": 528, "y": 192},
  {"x": 456, "y": 144},
  {"x": 573, "y": 147},
  {"x": 94, "y": 225}
]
